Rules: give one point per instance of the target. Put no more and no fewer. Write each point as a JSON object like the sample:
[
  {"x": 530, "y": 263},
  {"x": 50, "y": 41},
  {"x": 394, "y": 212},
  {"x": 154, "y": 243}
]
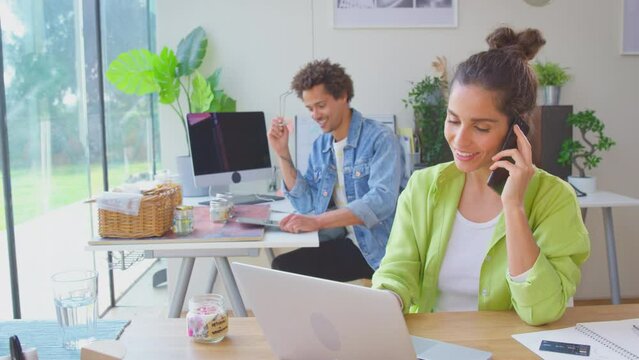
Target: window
[{"x": 55, "y": 150}]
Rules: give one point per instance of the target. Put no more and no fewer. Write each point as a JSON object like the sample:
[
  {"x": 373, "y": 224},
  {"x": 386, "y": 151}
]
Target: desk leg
[
  {"x": 231, "y": 286},
  {"x": 269, "y": 255},
  {"x": 180, "y": 287},
  {"x": 613, "y": 274},
  {"x": 212, "y": 276}
]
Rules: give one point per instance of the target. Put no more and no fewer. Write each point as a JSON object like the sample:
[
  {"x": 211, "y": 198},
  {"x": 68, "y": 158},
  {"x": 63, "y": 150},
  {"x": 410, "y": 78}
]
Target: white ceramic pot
[
  {"x": 187, "y": 179},
  {"x": 586, "y": 184}
]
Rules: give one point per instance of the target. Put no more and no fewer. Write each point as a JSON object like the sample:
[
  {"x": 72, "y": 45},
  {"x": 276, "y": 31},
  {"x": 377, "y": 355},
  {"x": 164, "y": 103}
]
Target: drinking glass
[{"x": 75, "y": 298}]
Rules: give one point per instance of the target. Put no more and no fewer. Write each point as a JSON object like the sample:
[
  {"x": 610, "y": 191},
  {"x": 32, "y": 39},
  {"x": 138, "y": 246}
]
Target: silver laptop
[{"x": 309, "y": 318}]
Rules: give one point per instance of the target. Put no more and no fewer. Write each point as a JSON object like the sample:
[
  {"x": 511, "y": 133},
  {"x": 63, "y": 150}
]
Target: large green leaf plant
[{"x": 142, "y": 72}]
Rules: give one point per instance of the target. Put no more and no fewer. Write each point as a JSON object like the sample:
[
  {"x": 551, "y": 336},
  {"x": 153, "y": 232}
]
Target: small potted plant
[
  {"x": 585, "y": 156},
  {"x": 428, "y": 98},
  {"x": 552, "y": 77},
  {"x": 142, "y": 72}
]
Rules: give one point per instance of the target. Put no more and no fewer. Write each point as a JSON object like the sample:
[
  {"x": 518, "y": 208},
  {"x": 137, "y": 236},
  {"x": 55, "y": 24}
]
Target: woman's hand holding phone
[{"x": 520, "y": 172}]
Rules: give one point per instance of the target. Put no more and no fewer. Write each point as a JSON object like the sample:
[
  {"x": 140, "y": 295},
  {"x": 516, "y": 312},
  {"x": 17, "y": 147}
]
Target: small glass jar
[
  {"x": 207, "y": 321},
  {"x": 226, "y": 196},
  {"x": 183, "y": 220},
  {"x": 219, "y": 210}
]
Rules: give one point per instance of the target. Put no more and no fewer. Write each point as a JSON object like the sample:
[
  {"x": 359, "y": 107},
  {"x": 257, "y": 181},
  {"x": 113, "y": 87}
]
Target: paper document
[{"x": 607, "y": 340}]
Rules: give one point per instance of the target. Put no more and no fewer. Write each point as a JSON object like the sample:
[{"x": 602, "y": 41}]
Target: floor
[
  {"x": 51, "y": 243},
  {"x": 143, "y": 300}
]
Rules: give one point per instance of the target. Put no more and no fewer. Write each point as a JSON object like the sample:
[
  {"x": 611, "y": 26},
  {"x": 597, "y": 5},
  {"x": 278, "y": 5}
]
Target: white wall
[{"x": 261, "y": 44}]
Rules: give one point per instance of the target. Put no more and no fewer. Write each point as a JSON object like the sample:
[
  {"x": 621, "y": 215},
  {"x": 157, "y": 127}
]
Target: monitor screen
[{"x": 228, "y": 147}]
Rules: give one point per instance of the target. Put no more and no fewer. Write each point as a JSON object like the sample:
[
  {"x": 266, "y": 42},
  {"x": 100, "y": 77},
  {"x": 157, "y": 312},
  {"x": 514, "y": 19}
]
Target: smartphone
[
  {"x": 565, "y": 348},
  {"x": 497, "y": 178},
  {"x": 256, "y": 221}
]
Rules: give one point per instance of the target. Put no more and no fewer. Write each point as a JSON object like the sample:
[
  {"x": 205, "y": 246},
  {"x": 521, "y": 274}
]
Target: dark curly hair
[
  {"x": 333, "y": 76},
  {"x": 504, "y": 68}
]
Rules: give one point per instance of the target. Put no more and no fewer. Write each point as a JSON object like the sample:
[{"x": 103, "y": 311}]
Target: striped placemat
[{"x": 46, "y": 337}]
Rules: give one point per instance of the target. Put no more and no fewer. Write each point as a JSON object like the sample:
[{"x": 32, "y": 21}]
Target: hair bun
[
  {"x": 527, "y": 42},
  {"x": 502, "y": 37}
]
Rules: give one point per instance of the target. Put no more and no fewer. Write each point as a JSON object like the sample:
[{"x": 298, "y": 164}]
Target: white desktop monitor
[{"x": 227, "y": 148}]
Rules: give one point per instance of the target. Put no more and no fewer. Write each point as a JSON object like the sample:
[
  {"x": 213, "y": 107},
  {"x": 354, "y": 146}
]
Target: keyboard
[{"x": 250, "y": 199}]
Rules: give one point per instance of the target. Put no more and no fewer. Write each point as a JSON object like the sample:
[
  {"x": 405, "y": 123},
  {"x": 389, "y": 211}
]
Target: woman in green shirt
[{"x": 456, "y": 244}]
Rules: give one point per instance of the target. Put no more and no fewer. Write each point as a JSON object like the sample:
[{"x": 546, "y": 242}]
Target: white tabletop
[
  {"x": 606, "y": 199},
  {"x": 272, "y": 238}
]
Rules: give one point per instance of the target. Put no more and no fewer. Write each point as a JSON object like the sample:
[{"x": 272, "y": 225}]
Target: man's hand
[
  {"x": 296, "y": 223},
  {"x": 278, "y": 137}
]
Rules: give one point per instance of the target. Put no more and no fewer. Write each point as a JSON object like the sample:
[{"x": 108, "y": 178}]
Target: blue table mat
[{"x": 46, "y": 336}]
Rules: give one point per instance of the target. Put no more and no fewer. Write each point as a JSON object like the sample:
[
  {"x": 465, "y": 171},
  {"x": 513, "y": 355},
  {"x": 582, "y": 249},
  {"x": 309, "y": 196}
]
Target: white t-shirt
[
  {"x": 459, "y": 274},
  {"x": 339, "y": 193}
]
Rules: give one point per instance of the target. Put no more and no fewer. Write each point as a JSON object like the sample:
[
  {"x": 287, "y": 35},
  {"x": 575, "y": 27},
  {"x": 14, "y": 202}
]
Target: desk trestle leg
[
  {"x": 615, "y": 291},
  {"x": 180, "y": 287},
  {"x": 231, "y": 286},
  {"x": 212, "y": 276}
]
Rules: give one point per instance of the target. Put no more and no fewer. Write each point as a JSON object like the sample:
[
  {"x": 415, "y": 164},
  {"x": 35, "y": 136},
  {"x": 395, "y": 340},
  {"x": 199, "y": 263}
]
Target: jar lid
[
  {"x": 199, "y": 301},
  {"x": 184, "y": 207}
]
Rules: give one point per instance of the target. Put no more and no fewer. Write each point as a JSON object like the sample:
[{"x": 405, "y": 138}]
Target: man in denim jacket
[{"x": 354, "y": 169}]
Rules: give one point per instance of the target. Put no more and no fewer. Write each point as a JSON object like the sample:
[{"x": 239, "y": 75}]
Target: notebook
[
  {"x": 309, "y": 318},
  {"x": 607, "y": 339}
]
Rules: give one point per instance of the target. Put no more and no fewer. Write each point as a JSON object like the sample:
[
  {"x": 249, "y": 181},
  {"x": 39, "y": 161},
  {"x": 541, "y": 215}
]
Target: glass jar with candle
[
  {"x": 207, "y": 321},
  {"x": 219, "y": 210},
  {"x": 183, "y": 220},
  {"x": 229, "y": 198}
]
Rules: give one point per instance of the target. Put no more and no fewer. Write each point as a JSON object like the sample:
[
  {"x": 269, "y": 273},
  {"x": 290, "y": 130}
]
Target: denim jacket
[{"x": 373, "y": 171}]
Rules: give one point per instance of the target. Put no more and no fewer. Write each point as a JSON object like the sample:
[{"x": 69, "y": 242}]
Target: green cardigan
[{"x": 425, "y": 214}]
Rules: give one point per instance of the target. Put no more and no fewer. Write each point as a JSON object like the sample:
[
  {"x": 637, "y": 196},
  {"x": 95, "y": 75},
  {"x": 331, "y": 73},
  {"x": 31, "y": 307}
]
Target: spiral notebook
[{"x": 607, "y": 339}]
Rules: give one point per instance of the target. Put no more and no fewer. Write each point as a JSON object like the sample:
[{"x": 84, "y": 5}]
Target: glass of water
[{"x": 75, "y": 298}]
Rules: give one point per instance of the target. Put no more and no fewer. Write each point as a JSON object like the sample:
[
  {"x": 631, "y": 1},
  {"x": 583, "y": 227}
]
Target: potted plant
[
  {"x": 585, "y": 156},
  {"x": 174, "y": 76},
  {"x": 428, "y": 98},
  {"x": 552, "y": 77}
]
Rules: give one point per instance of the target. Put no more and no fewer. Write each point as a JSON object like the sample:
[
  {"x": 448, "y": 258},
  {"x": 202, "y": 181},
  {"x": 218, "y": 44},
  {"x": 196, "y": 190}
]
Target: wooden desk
[
  {"x": 220, "y": 251},
  {"x": 606, "y": 201},
  {"x": 485, "y": 330}
]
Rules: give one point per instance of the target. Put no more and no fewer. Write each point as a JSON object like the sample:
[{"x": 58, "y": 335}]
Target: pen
[
  {"x": 636, "y": 329},
  {"x": 15, "y": 348}
]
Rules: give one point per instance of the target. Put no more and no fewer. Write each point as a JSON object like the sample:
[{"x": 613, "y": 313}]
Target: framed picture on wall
[
  {"x": 630, "y": 35},
  {"x": 394, "y": 13}
]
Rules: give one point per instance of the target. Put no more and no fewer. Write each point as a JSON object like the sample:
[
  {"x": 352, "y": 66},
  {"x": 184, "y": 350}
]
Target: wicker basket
[{"x": 154, "y": 218}]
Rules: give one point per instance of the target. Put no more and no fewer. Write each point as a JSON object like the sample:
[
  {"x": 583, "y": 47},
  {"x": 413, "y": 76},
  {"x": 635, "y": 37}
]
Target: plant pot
[
  {"x": 187, "y": 179},
  {"x": 551, "y": 95},
  {"x": 586, "y": 184}
]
